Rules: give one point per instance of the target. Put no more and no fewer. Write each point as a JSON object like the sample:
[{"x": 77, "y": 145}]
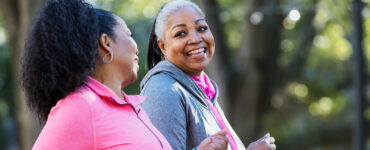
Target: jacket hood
[{"x": 184, "y": 79}]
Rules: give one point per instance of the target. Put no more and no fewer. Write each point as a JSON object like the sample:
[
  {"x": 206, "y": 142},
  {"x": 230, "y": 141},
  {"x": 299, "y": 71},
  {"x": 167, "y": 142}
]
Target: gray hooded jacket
[{"x": 176, "y": 106}]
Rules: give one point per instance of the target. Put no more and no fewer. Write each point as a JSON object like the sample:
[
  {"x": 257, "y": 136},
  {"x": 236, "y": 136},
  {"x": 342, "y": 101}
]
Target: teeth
[{"x": 197, "y": 51}]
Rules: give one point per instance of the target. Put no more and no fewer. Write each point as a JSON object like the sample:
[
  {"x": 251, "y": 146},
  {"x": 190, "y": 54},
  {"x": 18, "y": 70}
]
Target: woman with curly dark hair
[{"x": 76, "y": 61}]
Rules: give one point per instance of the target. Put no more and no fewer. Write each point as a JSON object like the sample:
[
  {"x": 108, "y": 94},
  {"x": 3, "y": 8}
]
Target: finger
[
  {"x": 266, "y": 141},
  {"x": 272, "y": 146},
  {"x": 264, "y": 137},
  {"x": 225, "y": 145},
  {"x": 215, "y": 145},
  {"x": 222, "y": 132},
  {"x": 267, "y": 135},
  {"x": 221, "y": 141},
  {"x": 206, "y": 141},
  {"x": 271, "y": 140},
  {"x": 221, "y": 138}
]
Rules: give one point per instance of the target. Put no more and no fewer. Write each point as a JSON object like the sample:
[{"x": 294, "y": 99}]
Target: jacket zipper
[{"x": 137, "y": 114}]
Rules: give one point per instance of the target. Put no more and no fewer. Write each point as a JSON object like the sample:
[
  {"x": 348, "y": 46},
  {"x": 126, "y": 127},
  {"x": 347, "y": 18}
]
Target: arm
[
  {"x": 69, "y": 126},
  {"x": 166, "y": 109}
]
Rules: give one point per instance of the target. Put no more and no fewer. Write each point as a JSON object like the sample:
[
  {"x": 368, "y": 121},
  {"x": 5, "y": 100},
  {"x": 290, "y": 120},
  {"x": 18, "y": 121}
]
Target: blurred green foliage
[{"x": 8, "y": 129}]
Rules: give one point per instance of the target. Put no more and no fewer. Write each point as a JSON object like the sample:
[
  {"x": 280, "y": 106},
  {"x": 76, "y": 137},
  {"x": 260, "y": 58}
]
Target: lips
[{"x": 197, "y": 52}]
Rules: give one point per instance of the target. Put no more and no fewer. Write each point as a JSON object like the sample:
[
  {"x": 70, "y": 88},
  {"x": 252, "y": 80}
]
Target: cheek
[
  {"x": 128, "y": 45},
  {"x": 210, "y": 39},
  {"x": 211, "y": 43},
  {"x": 175, "y": 49},
  {"x": 133, "y": 44}
]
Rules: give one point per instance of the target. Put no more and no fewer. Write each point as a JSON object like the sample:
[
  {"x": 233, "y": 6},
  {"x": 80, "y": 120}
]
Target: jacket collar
[
  {"x": 185, "y": 80},
  {"x": 103, "y": 91}
]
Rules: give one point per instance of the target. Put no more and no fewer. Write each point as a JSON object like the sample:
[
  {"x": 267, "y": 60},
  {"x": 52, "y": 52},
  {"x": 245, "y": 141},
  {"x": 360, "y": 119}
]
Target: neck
[
  {"x": 197, "y": 74},
  {"x": 111, "y": 80}
]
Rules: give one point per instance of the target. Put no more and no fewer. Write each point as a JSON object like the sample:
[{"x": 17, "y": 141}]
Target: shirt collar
[
  {"x": 103, "y": 91},
  {"x": 205, "y": 85}
]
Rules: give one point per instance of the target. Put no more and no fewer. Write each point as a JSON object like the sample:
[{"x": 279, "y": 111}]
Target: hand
[
  {"x": 264, "y": 143},
  {"x": 217, "y": 141}
]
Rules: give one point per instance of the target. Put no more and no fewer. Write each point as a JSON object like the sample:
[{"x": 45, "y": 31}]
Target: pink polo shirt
[{"x": 94, "y": 118}]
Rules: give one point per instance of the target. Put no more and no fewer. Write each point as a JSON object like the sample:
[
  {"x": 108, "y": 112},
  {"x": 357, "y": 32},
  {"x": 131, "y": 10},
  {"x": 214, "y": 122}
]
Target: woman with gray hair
[{"x": 178, "y": 90}]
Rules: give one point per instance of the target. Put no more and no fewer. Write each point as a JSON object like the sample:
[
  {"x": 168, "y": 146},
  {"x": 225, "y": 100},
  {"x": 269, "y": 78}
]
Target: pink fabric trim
[
  {"x": 221, "y": 122},
  {"x": 205, "y": 84},
  {"x": 207, "y": 87}
]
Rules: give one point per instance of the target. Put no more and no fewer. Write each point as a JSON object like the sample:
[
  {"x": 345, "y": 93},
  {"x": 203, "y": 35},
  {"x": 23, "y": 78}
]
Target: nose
[{"x": 195, "y": 38}]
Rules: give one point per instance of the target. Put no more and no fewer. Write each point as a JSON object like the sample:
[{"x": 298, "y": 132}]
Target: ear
[
  {"x": 162, "y": 47},
  {"x": 105, "y": 44}
]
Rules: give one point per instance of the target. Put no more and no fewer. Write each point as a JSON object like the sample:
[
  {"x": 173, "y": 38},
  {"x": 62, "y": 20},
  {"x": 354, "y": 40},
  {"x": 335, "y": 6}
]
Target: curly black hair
[{"x": 62, "y": 51}]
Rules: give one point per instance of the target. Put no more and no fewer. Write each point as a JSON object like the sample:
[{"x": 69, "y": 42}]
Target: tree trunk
[
  {"x": 247, "y": 93},
  {"x": 18, "y": 15},
  {"x": 257, "y": 65}
]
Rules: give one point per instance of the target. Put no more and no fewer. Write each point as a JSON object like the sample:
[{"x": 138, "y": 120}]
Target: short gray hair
[{"x": 167, "y": 9}]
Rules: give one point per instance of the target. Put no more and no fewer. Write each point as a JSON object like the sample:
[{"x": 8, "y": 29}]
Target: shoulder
[
  {"x": 163, "y": 91},
  {"x": 161, "y": 78},
  {"x": 162, "y": 83},
  {"x": 75, "y": 104},
  {"x": 69, "y": 120}
]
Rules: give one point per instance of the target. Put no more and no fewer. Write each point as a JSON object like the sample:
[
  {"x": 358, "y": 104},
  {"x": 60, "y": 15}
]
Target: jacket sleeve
[
  {"x": 69, "y": 126},
  {"x": 166, "y": 109}
]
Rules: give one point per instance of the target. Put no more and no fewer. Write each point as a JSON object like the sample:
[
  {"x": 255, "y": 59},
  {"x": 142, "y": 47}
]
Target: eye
[
  {"x": 202, "y": 28},
  {"x": 180, "y": 33}
]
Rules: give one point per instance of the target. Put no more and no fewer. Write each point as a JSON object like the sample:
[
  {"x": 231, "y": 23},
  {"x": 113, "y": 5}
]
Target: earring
[{"x": 110, "y": 59}]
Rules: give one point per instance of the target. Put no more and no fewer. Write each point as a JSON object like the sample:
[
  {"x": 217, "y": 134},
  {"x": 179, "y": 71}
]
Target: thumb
[
  {"x": 222, "y": 132},
  {"x": 267, "y": 135}
]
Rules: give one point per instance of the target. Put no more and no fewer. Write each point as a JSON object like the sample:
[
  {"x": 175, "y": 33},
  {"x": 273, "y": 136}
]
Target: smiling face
[{"x": 187, "y": 41}]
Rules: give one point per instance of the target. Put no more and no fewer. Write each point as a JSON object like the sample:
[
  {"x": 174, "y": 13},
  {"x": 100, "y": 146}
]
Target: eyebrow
[
  {"x": 178, "y": 26},
  {"x": 200, "y": 19},
  {"x": 196, "y": 21}
]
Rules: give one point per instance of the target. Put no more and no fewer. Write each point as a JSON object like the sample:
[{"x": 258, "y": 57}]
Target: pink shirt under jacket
[{"x": 94, "y": 118}]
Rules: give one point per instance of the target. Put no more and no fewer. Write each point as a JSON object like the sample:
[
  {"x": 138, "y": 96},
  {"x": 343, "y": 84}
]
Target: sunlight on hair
[{"x": 92, "y": 2}]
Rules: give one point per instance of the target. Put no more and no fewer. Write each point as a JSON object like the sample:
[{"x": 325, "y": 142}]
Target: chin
[
  {"x": 134, "y": 77},
  {"x": 201, "y": 66},
  {"x": 197, "y": 69}
]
